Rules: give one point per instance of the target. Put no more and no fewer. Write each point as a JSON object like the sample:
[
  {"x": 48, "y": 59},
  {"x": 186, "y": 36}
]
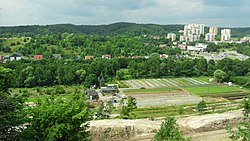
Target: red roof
[
  {"x": 38, "y": 56},
  {"x": 89, "y": 57}
]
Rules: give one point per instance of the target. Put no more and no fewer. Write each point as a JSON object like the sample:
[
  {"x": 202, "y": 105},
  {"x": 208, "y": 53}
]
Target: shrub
[{"x": 169, "y": 131}]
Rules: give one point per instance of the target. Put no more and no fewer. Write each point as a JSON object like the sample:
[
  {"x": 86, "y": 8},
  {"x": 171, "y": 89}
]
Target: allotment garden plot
[{"x": 164, "y": 82}]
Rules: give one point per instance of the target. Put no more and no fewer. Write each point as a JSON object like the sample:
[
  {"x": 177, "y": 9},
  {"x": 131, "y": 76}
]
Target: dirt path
[{"x": 218, "y": 135}]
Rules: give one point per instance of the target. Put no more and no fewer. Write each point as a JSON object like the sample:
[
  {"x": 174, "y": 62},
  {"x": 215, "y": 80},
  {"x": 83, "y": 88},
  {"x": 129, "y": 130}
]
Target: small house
[
  {"x": 92, "y": 94},
  {"x": 163, "y": 56},
  {"x": 108, "y": 90},
  {"x": 135, "y": 57},
  {"x": 89, "y": 57},
  {"x": 106, "y": 56},
  {"x": 163, "y": 45},
  {"x": 57, "y": 56},
  {"x": 121, "y": 57},
  {"x": 16, "y": 56},
  {"x": 38, "y": 56}
]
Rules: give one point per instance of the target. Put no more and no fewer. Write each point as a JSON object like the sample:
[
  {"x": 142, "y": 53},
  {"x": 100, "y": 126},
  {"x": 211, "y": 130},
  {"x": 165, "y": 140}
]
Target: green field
[
  {"x": 164, "y": 89},
  {"x": 211, "y": 89},
  {"x": 35, "y": 99}
]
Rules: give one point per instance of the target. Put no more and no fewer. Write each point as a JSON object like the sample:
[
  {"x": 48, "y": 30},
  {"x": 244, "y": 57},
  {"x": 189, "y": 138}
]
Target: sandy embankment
[{"x": 144, "y": 129}]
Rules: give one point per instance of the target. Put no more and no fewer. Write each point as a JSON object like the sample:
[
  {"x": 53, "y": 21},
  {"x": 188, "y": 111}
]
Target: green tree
[
  {"x": 5, "y": 79},
  {"x": 201, "y": 106},
  {"x": 81, "y": 74},
  {"x": 58, "y": 119},
  {"x": 127, "y": 109},
  {"x": 219, "y": 75},
  {"x": 169, "y": 131},
  {"x": 103, "y": 110},
  {"x": 10, "y": 108}
]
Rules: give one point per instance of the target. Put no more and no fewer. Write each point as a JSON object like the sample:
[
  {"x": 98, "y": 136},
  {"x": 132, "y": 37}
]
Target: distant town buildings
[
  {"x": 213, "y": 30},
  {"x": 192, "y": 32},
  {"x": 225, "y": 34},
  {"x": 245, "y": 39},
  {"x": 171, "y": 36},
  {"x": 210, "y": 37}
]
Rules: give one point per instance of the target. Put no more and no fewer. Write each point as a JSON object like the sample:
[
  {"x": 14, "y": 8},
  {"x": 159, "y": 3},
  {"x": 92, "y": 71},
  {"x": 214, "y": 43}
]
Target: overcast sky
[{"x": 229, "y": 13}]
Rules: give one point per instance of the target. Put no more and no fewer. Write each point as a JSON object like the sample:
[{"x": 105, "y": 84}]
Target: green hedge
[{"x": 242, "y": 80}]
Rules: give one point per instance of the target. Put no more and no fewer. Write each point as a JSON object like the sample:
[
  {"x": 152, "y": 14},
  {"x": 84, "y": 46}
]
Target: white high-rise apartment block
[
  {"x": 210, "y": 37},
  {"x": 192, "y": 32},
  {"x": 225, "y": 34},
  {"x": 213, "y": 29},
  {"x": 171, "y": 36}
]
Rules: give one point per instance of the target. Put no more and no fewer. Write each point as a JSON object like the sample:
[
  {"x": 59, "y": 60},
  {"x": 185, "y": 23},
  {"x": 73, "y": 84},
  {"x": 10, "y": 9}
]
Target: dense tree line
[
  {"x": 71, "y": 45},
  {"x": 111, "y": 29},
  {"x": 28, "y": 73}
]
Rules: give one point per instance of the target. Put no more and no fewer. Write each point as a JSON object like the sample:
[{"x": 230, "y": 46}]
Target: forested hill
[{"x": 111, "y": 29}]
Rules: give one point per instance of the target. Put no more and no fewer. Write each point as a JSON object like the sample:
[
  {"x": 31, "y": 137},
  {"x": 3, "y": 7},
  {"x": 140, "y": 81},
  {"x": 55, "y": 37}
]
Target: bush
[
  {"x": 242, "y": 80},
  {"x": 59, "y": 90},
  {"x": 58, "y": 120},
  {"x": 169, "y": 131}
]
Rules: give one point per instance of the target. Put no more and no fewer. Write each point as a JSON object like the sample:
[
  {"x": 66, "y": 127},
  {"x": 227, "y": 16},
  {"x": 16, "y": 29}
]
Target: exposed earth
[{"x": 200, "y": 128}]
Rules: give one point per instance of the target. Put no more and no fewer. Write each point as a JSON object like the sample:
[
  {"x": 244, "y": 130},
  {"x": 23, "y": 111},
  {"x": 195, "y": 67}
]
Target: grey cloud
[{"x": 226, "y": 3}]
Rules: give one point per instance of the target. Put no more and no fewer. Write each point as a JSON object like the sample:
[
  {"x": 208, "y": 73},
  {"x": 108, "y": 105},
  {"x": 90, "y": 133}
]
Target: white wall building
[
  {"x": 197, "y": 47},
  {"x": 210, "y": 37},
  {"x": 245, "y": 39},
  {"x": 225, "y": 34},
  {"x": 171, "y": 36},
  {"x": 213, "y": 29},
  {"x": 192, "y": 32}
]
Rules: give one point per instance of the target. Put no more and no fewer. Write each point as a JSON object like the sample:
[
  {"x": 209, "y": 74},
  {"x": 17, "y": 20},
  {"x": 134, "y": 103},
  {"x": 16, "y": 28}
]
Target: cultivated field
[
  {"x": 212, "y": 89},
  {"x": 165, "y": 82}
]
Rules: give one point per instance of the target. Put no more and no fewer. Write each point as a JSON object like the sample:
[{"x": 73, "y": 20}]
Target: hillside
[
  {"x": 116, "y": 28},
  {"x": 110, "y": 29}
]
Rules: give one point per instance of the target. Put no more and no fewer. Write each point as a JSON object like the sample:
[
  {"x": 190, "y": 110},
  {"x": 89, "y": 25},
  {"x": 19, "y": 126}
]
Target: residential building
[
  {"x": 57, "y": 56},
  {"x": 197, "y": 47},
  {"x": 171, "y": 36},
  {"x": 192, "y": 32},
  {"x": 88, "y": 57},
  {"x": 163, "y": 45},
  {"x": 163, "y": 56},
  {"x": 245, "y": 39},
  {"x": 38, "y": 56},
  {"x": 106, "y": 56},
  {"x": 135, "y": 57},
  {"x": 182, "y": 46},
  {"x": 16, "y": 56},
  {"x": 108, "y": 90},
  {"x": 225, "y": 34},
  {"x": 121, "y": 57},
  {"x": 210, "y": 37},
  {"x": 213, "y": 30},
  {"x": 92, "y": 94}
]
